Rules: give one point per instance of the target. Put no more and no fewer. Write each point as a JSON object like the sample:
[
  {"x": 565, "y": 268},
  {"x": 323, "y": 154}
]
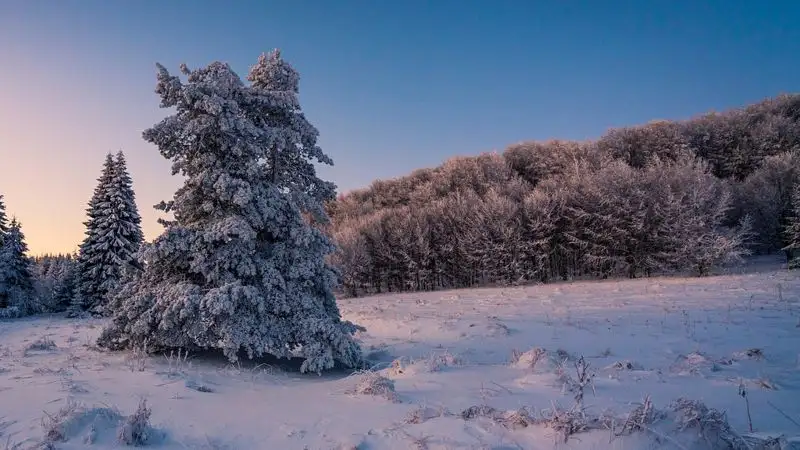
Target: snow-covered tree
[
  {"x": 65, "y": 285},
  {"x": 3, "y": 221},
  {"x": 54, "y": 277},
  {"x": 90, "y": 254},
  {"x": 239, "y": 268},
  {"x": 127, "y": 226},
  {"x": 766, "y": 196},
  {"x": 16, "y": 280},
  {"x": 793, "y": 230},
  {"x": 113, "y": 235}
]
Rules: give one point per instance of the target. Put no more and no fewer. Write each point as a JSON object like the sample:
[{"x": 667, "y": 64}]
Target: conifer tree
[
  {"x": 129, "y": 223},
  {"x": 793, "y": 231},
  {"x": 113, "y": 235},
  {"x": 3, "y": 221},
  {"x": 16, "y": 278},
  {"x": 90, "y": 255},
  {"x": 239, "y": 268},
  {"x": 3, "y": 232},
  {"x": 66, "y": 284}
]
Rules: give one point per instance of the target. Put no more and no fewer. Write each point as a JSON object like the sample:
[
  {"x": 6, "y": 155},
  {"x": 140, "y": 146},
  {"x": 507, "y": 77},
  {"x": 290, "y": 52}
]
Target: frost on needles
[
  {"x": 113, "y": 236},
  {"x": 240, "y": 268},
  {"x": 17, "y": 295}
]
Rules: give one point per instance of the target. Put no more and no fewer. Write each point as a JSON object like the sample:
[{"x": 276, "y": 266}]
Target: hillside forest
[{"x": 664, "y": 197}]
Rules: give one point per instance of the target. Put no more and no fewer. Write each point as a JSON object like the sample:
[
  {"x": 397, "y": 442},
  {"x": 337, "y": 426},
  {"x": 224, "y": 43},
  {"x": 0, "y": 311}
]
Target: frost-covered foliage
[
  {"x": 639, "y": 145},
  {"x": 239, "y": 268},
  {"x": 3, "y": 220},
  {"x": 793, "y": 230},
  {"x": 765, "y": 196},
  {"x": 667, "y": 216},
  {"x": 113, "y": 235},
  {"x": 55, "y": 280},
  {"x": 17, "y": 293},
  {"x": 3, "y": 234},
  {"x": 595, "y": 216},
  {"x": 514, "y": 217}
]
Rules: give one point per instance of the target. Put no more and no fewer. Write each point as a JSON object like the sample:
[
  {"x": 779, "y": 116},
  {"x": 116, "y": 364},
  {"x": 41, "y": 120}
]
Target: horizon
[{"x": 468, "y": 78}]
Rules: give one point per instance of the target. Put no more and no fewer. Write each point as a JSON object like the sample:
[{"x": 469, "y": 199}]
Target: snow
[{"x": 435, "y": 355}]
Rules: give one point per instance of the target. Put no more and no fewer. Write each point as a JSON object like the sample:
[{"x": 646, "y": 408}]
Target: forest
[{"x": 664, "y": 197}]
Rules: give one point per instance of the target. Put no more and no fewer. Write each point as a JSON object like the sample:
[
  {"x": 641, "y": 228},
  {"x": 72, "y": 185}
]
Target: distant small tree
[
  {"x": 65, "y": 286},
  {"x": 53, "y": 281}
]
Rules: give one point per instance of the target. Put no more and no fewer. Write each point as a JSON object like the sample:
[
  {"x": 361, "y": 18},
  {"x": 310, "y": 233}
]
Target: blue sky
[{"x": 391, "y": 85}]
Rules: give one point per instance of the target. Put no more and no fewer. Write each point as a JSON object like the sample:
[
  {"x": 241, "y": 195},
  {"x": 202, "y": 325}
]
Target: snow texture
[
  {"x": 691, "y": 344},
  {"x": 240, "y": 268}
]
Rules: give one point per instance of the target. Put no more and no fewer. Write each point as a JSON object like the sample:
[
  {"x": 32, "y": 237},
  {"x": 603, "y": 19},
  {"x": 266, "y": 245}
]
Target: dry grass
[
  {"x": 438, "y": 361},
  {"x": 584, "y": 377},
  {"x": 71, "y": 418},
  {"x": 711, "y": 424},
  {"x": 397, "y": 367},
  {"x": 529, "y": 359},
  {"x": 422, "y": 414},
  {"x": 43, "y": 344},
  {"x": 136, "y": 360},
  {"x": 374, "y": 384},
  {"x": 136, "y": 429}
]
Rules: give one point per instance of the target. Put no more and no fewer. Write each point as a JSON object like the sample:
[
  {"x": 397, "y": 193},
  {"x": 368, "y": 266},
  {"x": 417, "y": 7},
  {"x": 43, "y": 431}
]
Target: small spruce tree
[{"x": 239, "y": 268}]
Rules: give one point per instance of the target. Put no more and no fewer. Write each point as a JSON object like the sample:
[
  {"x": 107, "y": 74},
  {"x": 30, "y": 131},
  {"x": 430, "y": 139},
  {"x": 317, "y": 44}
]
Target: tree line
[
  {"x": 79, "y": 283},
  {"x": 665, "y": 197}
]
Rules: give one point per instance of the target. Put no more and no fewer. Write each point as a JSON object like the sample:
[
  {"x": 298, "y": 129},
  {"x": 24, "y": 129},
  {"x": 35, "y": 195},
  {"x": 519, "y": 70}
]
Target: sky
[{"x": 391, "y": 85}]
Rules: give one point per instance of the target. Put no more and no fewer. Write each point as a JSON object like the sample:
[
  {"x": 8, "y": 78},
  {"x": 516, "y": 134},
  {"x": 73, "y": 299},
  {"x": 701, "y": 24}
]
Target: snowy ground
[{"x": 675, "y": 337}]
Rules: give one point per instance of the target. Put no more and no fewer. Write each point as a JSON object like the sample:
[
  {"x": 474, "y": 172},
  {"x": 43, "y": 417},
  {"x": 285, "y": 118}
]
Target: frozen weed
[
  {"x": 373, "y": 383},
  {"x": 437, "y": 362},
  {"x": 711, "y": 424},
  {"x": 422, "y": 414},
  {"x": 397, "y": 367},
  {"x": 529, "y": 359},
  {"x": 136, "y": 429},
  {"x": 43, "y": 344},
  {"x": 583, "y": 378},
  {"x": 137, "y": 359},
  {"x": 71, "y": 419},
  {"x": 565, "y": 423},
  {"x": 640, "y": 419},
  {"x": 177, "y": 362}
]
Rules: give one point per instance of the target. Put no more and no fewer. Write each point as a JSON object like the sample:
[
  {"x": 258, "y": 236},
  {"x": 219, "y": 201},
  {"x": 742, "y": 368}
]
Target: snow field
[{"x": 498, "y": 368}]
